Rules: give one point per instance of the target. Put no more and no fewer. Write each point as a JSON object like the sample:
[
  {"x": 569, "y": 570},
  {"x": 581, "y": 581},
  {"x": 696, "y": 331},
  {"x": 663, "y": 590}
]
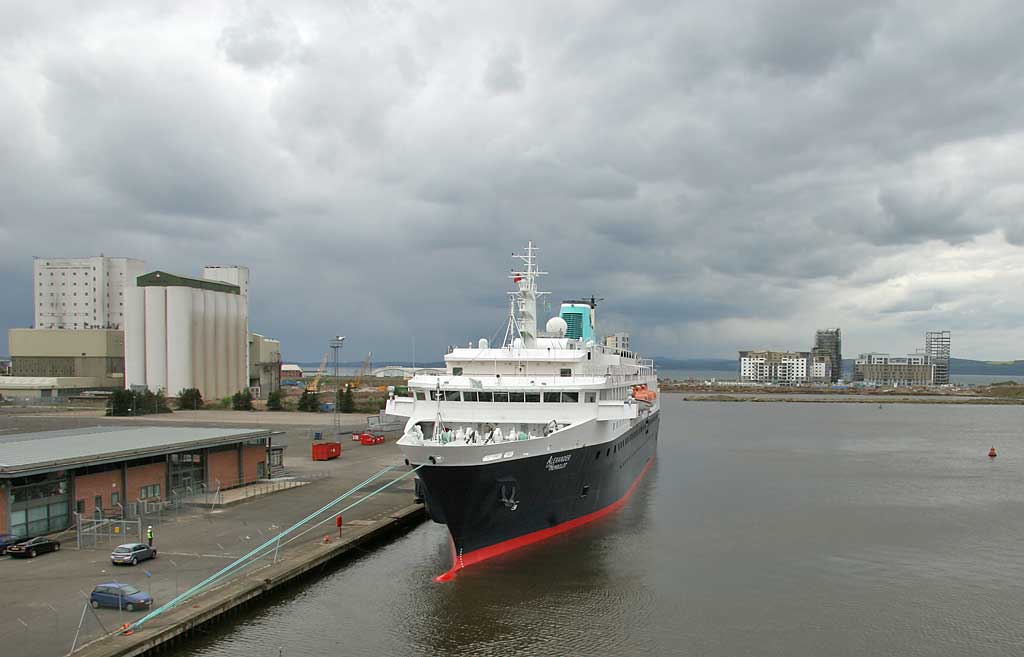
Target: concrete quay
[
  {"x": 177, "y": 625},
  {"x": 46, "y": 595}
]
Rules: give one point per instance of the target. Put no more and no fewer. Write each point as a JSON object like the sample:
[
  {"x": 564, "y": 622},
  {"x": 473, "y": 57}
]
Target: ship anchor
[{"x": 509, "y": 500}]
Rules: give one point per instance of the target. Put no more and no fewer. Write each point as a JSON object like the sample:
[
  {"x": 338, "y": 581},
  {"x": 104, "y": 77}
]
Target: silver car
[{"x": 132, "y": 553}]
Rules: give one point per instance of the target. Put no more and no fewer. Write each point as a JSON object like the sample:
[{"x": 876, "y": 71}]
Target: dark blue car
[
  {"x": 7, "y": 540},
  {"x": 119, "y": 596}
]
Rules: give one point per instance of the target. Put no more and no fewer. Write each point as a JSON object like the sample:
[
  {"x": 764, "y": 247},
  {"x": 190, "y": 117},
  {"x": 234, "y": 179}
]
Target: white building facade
[
  {"x": 778, "y": 367},
  {"x": 617, "y": 341},
  {"x": 82, "y": 293},
  {"x": 185, "y": 332}
]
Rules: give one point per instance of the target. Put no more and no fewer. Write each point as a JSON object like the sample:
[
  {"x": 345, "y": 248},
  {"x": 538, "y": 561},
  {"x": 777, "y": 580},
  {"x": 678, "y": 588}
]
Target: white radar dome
[
  {"x": 557, "y": 326},
  {"x": 482, "y": 344}
]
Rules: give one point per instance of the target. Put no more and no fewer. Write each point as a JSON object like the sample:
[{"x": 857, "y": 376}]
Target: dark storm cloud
[{"x": 725, "y": 174}]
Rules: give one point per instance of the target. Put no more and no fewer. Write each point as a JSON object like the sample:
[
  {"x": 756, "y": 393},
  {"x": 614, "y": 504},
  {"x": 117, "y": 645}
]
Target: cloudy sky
[{"x": 726, "y": 174}]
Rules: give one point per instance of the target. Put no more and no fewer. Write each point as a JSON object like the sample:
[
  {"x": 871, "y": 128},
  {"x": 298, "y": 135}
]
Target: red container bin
[{"x": 325, "y": 451}]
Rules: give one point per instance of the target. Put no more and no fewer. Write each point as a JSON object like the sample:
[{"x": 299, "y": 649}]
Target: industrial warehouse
[{"x": 48, "y": 477}]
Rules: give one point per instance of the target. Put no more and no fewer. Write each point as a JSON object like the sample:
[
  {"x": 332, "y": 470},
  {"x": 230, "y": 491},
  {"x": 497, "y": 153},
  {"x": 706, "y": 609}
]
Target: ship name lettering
[{"x": 558, "y": 462}]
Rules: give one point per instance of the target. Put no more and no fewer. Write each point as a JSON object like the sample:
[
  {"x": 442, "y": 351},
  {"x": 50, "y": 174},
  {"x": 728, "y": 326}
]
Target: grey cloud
[
  {"x": 504, "y": 71},
  {"x": 165, "y": 144},
  {"x": 810, "y": 38},
  {"x": 259, "y": 40},
  {"x": 705, "y": 166}
]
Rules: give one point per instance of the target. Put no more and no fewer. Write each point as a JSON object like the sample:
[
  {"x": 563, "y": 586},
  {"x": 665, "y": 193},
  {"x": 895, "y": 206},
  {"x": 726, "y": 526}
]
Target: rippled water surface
[{"x": 761, "y": 529}]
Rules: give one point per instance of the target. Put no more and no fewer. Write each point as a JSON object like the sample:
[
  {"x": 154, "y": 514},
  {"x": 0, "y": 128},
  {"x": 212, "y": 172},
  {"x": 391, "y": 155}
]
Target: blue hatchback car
[{"x": 119, "y": 596}]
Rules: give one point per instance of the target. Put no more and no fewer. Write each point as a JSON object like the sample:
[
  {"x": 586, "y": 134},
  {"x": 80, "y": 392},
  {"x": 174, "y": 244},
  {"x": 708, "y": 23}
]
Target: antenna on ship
[{"x": 523, "y": 311}]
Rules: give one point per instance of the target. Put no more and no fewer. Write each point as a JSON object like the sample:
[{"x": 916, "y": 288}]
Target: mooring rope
[
  {"x": 220, "y": 574},
  {"x": 354, "y": 504}
]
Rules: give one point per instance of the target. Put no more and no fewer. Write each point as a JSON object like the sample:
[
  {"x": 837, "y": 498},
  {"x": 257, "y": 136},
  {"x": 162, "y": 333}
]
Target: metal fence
[{"x": 104, "y": 532}]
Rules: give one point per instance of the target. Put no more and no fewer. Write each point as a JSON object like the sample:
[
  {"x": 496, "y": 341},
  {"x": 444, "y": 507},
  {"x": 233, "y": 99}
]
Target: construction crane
[
  {"x": 362, "y": 371},
  {"x": 314, "y": 383}
]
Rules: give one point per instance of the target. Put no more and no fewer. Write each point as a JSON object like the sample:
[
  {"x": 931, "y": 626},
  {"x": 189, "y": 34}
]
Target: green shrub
[
  {"x": 128, "y": 402},
  {"x": 190, "y": 399},
  {"x": 242, "y": 400},
  {"x": 309, "y": 402}
]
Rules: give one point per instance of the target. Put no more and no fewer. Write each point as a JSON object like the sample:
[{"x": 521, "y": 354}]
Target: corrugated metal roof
[{"x": 22, "y": 453}]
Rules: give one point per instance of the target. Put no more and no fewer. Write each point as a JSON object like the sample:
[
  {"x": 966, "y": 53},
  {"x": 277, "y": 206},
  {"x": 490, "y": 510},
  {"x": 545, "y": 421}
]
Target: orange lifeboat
[{"x": 643, "y": 393}]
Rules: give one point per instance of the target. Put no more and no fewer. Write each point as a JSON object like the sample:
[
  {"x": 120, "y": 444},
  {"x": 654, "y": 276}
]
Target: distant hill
[
  {"x": 965, "y": 366},
  {"x": 968, "y": 366},
  {"x": 712, "y": 364},
  {"x": 956, "y": 365}
]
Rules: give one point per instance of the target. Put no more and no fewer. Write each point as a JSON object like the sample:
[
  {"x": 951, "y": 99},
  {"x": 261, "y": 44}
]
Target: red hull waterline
[{"x": 476, "y": 556}]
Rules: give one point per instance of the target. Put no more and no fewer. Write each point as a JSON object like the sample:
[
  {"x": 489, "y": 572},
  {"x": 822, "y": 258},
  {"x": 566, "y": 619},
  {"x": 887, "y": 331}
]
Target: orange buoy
[
  {"x": 992, "y": 453},
  {"x": 327, "y": 539}
]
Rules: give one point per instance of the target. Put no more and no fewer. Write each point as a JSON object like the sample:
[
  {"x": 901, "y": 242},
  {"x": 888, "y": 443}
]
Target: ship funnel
[{"x": 579, "y": 319}]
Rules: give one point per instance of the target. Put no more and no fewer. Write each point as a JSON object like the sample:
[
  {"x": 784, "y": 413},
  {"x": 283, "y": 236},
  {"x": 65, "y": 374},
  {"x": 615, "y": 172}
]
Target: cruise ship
[{"x": 517, "y": 443}]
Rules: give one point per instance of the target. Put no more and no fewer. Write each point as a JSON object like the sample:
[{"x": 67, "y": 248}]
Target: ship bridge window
[
  {"x": 552, "y": 397},
  {"x": 590, "y": 397},
  {"x": 484, "y": 396},
  {"x": 420, "y": 395},
  {"x": 516, "y": 397},
  {"x": 457, "y": 371},
  {"x": 565, "y": 371},
  {"x": 433, "y": 395},
  {"x": 452, "y": 395},
  {"x": 533, "y": 397},
  {"x": 570, "y": 397},
  {"x": 501, "y": 396},
  {"x": 469, "y": 395}
]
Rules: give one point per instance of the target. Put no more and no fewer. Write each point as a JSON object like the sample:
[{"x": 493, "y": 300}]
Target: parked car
[
  {"x": 7, "y": 540},
  {"x": 33, "y": 546},
  {"x": 119, "y": 596},
  {"x": 132, "y": 553}
]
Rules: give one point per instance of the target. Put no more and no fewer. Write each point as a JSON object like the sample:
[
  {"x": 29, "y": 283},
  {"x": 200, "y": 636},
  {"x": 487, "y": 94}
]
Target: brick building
[{"x": 46, "y": 477}]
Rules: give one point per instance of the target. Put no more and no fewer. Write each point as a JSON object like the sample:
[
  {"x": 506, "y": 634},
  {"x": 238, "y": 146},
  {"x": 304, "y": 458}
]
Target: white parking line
[{"x": 197, "y": 554}]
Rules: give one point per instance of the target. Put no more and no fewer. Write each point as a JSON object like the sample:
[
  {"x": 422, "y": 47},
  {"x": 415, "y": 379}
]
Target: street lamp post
[{"x": 337, "y": 344}]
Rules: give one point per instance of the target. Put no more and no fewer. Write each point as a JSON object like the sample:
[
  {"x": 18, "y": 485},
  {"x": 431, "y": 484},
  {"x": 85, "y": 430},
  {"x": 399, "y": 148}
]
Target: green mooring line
[{"x": 220, "y": 574}]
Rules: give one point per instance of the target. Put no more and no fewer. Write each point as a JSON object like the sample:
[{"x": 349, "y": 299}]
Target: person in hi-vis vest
[{"x": 149, "y": 535}]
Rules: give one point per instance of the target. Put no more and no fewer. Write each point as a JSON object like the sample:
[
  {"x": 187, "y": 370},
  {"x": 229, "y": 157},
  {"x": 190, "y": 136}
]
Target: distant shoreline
[{"x": 826, "y": 398}]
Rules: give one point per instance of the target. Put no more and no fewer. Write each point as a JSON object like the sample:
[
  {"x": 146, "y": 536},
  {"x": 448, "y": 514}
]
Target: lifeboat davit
[
  {"x": 643, "y": 393},
  {"x": 992, "y": 453}
]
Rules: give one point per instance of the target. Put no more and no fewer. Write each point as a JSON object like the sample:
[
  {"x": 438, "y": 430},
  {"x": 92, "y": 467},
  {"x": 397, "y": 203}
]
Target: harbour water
[{"x": 761, "y": 529}]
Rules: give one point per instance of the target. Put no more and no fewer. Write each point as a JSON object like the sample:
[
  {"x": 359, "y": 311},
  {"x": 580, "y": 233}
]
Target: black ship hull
[{"x": 496, "y": 507}]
